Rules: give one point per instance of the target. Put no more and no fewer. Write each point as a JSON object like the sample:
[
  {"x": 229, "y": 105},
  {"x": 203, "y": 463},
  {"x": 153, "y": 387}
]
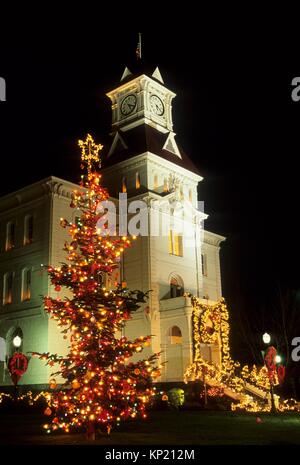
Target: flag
[{"x": 139, "y": 48}]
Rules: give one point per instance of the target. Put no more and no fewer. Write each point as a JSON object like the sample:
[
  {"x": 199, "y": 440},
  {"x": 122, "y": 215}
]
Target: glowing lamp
[
  {"x": 278, "y": 359},
  {"x": 266, "y": 338},
  {"x": 17, "y": 341}
]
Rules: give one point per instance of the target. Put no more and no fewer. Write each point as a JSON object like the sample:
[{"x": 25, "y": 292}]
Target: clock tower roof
[{"x": 142, "y": 139}]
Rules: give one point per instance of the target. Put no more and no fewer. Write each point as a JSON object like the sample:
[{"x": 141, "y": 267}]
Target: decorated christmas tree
[{"x": 101, "y": 385}]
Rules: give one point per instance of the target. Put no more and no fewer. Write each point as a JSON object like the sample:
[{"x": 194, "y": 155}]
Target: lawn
[{"x": 166, "y": 428}]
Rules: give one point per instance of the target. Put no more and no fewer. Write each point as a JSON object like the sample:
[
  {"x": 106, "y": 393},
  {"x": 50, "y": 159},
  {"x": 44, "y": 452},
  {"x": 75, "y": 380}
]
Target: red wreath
[
  {"x": 270, "y": 362},
  {"x": 281, "y": 373},
  {"x": 18, "y": 365}
]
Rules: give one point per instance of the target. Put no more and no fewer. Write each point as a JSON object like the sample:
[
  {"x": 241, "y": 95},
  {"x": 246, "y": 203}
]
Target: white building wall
[
  {"x": 29, "y": 315},
  {"x": 148, "y": 265}
]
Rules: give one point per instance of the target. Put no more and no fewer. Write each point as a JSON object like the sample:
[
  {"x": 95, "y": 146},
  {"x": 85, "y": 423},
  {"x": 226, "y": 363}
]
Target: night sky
[{"x": 233, "y": 116}]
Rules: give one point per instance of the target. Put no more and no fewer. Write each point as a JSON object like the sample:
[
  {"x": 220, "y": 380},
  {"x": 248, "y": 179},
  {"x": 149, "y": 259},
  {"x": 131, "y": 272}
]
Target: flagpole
[{"x": 140, "y": 42}]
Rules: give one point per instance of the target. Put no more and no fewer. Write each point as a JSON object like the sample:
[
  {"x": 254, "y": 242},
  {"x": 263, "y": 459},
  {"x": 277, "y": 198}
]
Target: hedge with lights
[{"x": 211, "y": 327}]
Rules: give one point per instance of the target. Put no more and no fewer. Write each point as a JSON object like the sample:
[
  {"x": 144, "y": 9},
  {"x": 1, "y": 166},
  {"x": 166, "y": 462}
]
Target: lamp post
[
  {"x": 17, "y": 342},
  {"x": 267, "y": 339}
]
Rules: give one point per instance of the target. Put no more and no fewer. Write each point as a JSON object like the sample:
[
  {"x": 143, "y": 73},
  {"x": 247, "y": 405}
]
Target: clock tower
[
  {"x": 145, "y": 162},
  {"x": 141, "y": 99}
]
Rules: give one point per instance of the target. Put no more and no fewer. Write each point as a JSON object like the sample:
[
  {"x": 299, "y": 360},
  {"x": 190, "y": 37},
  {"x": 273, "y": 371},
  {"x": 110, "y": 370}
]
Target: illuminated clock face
[
  {"x": 156, "y": 105},
  {"x": 128, "y": 104}
]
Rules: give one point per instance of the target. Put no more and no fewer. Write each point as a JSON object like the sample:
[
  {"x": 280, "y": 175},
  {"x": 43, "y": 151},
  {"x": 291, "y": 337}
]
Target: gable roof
[{"x": 144, "y": 138}]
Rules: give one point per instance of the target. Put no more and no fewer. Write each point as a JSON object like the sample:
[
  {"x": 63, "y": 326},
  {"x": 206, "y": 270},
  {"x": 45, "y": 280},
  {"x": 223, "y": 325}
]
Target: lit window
[
  {"x": 170, "y": 242},
  {"x": 124, "y": 185},
  {"x": 190, "y": 195},
  {"x": 28, "y": 229},
  {"x": 177, "y": 241},
  {"x": 137, "y": 181},
  {"x": 8, "y": 288},
  {"x": 10, "y": 235},
  {"x": 166, "y": 187},
  {"x": 155, "y": 182},
  {"x": 26, "y": 284},
  {"x": 175, "y": 244},
  {"x": 175, "y": 335},
  {"x": 204, "y": 264}
]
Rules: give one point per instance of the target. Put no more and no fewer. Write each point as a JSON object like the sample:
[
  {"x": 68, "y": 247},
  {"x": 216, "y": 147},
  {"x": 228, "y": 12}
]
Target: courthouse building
[{"x": 145, "y": 162}]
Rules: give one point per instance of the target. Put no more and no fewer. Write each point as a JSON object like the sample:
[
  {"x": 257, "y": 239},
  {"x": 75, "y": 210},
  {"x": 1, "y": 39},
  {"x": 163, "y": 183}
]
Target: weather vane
[{"x": 90, "y": 151}]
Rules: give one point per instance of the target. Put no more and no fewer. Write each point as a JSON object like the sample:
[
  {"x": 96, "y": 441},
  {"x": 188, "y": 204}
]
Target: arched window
[
  {"x": 8, "y": 280},
  {"x": 175, "y": 335},
  {"x": 26, "y": 284},
  {"x": 176, "y": 287},
  {"x": 28, "y": 229},
  {"x": 10, "y": 235}
]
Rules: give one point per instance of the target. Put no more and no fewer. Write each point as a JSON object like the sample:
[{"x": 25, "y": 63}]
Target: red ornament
[
  {"x": 57, "y": 288},
  {"x": 48, "y": 302},
  {"x": 63, "y": 223},
  {"x": 48, "y": 411}
]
